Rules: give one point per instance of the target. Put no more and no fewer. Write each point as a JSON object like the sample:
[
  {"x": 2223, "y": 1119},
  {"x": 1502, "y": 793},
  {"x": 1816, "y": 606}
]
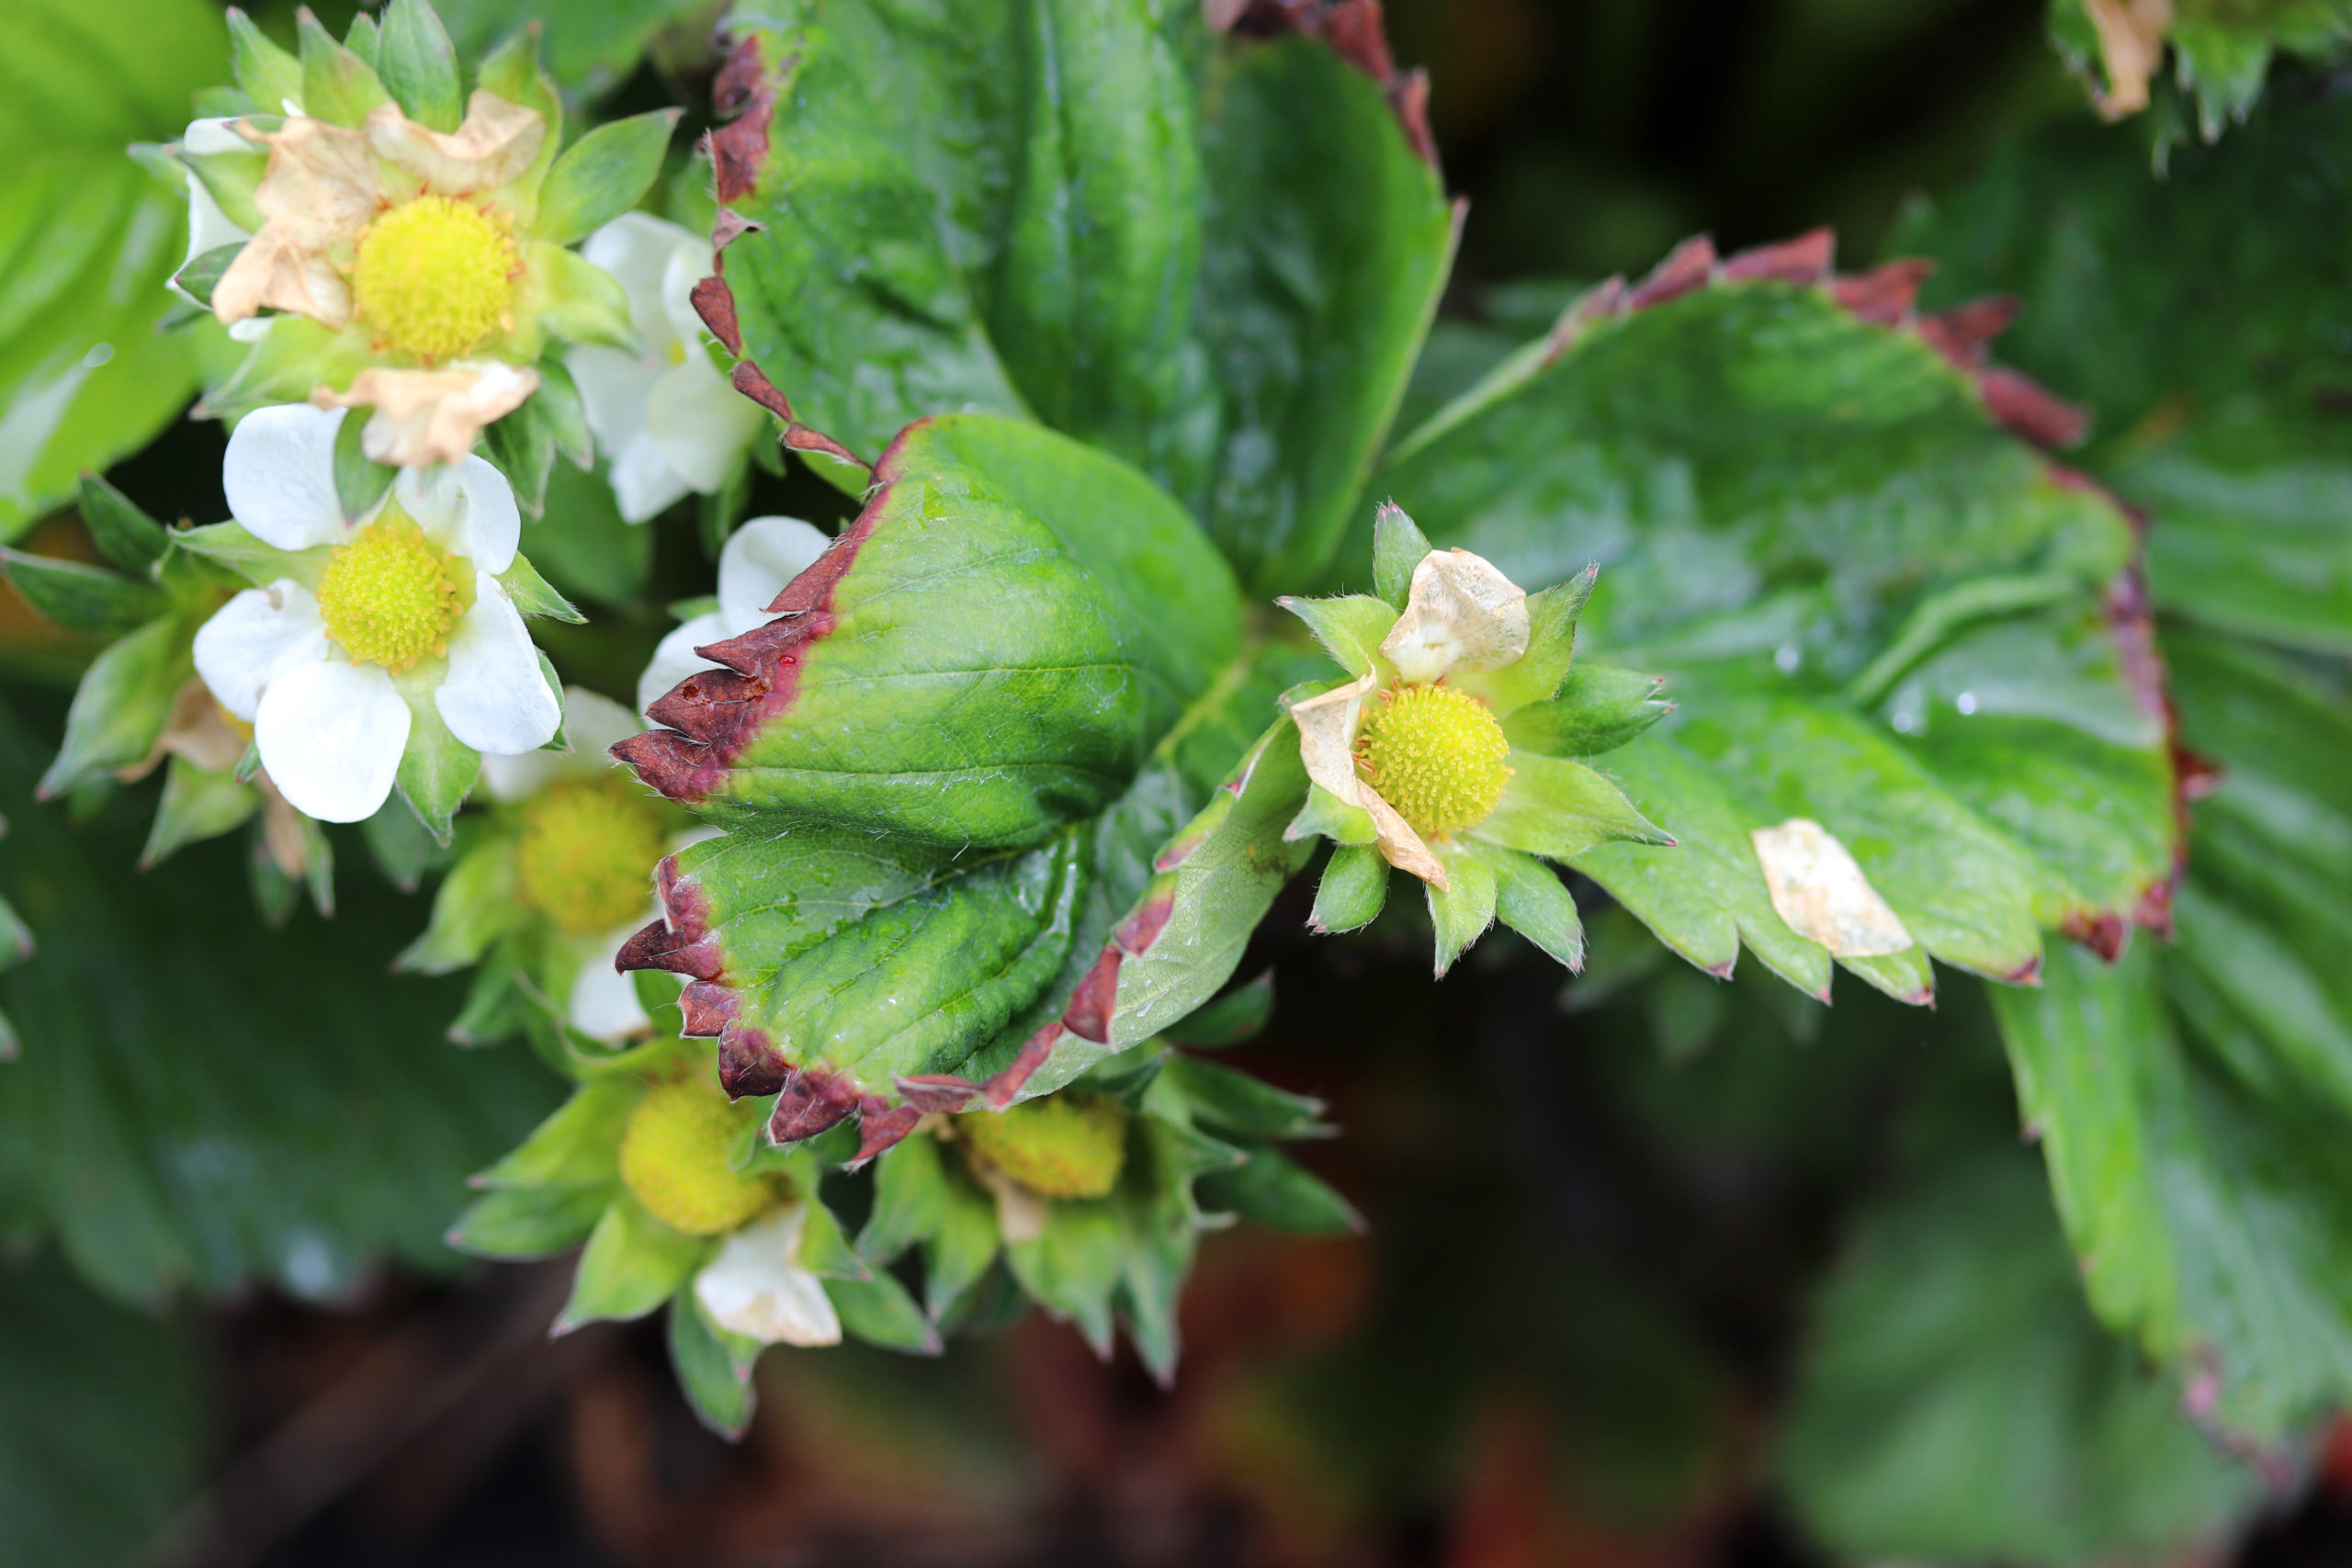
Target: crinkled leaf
[
  {"x": 1213, "y": 259},
  {"x": 1776, "y": 492}
]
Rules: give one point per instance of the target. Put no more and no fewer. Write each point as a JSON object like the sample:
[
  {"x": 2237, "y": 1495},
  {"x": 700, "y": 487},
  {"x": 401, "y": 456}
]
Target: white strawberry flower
[
  {"x": 669, "y": 422},
  {"x": 762, "y": 557},
  {"x": 369, "y": 624},
  {"x": 585, "y": 820},
  {"x": 758, "y": 1287}
]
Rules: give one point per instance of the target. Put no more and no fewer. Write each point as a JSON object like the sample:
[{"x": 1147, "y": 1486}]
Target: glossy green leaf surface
[
  {"x": 1213, "y": 259},
  {"x": 1876, "y": 610},
  {"x": 2207, "y": 317},
  {"x": 1959, "y": 1404},
  {"x": 201, "y": 1101}
]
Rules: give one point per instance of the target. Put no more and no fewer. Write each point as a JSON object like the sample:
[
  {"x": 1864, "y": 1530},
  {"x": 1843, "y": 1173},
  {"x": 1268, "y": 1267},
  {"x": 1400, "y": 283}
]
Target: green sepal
[
  {"x": 1397, "y": 546},
  {"x": 1354, "y": 889},
  {"x": 1241, "y": 1014},
  {"x": 1463, "y": 909},
  {"x": 1272, "y": 1189},
  {"x": 364, "y": 39},
  {"x": 257, "y": 563},
  {"x": 81, "y": 597},
  {"x": 878, "y": 1310},
  {"x": 496, "y": 1003},
  {"x": 714, "y": 1366},
  {"x": 513, "y": 72},
  {"x": 1327, "y": 816},
  {"x": 233, "y": 179},
  {"x": 956, "y": 1256},
  {"x": 519, "y": 1223},
  {"x": 1071, "y": 1270},
  {"x": 578, "y": 1145},
  {"x": 1531, "y": 899},
  {"x": 276, "y": 894},
  {"x": 1558, "y": 810},
  {"x": 532, "y": 596},
  {"x": 124, "y": 534},
  {"x": 631, "y": 1265},
  {"x": 475, "y": 905},
  {"x": 195, "y": 806},
  {"x": 1236, "y": 1103},
  {"x": 582, "y": 302},
  {"x": 337, "y": 85},
  {"x": 1536, "y": 675},
  {"x": 603, "y": 175},
  {"x": 401, "y": 847},
  {"x": 437, "y": 769},
  {"x": 359, "y": 482},
  {"x": 1598, "y": 708},
  {"x": 265, "y": 72},
  {"x": 122, "y": 704},
  {"x": 419, "y": 65},
  {"x": 560, "y": 415},
  {"x": 909, "y": 1199},
  {"x": 248, "y": 763},
  {"x": 198, "y": 278},
  {"x": 1349, "y": 627}
]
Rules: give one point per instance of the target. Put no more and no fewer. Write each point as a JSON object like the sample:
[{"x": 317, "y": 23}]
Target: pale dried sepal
[
  {"x": 1822, "y": 894},
  {"x": 424, "y": 417},
  {"x": 1327, "y": 746},
  {"x": 320, "y": 191},
  {"x": 1461, "y": 613},
  {"x": 1021, "y": 1214},
  {"x": 758, "y": 1287},
  {"x": 493, "y": 146},
  {"x": 2132, "y": 46}
]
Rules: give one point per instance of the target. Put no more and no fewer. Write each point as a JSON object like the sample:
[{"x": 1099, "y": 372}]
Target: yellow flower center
[
  {"x": 1435, "y": 754},
  {"x": 585, "y": 856},
  {"x": 434, "y": 277},
  {"x": 390, "y": 597},
  {"x": 1066, "y": 1146},
  {"x": 673, "y": 1160}
]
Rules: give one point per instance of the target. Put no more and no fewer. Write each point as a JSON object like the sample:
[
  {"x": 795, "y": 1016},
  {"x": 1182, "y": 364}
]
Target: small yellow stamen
[
  {"x": 434, "y": 277},
  {"x": 1435, "y": 754},
  {"x": 584, "y": 857},
  {"x": 673, "y": 1160},
  {"x": 390, "y": 597}
]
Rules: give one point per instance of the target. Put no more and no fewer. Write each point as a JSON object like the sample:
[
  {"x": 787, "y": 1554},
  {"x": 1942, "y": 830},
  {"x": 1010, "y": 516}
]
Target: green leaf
[
  {"x": 2188, "y": 310},
  {"x": 122, "y": 706},
  {"x": 1777, "y": 491},
  {"x": 589, "y": 48},
  {"x": 82, "y": 598},
  {"x": 878, "y": 1310},
  {"x": 714, "y": 1366},
  {"x": 85, "y": 374},
  {"x": 2206, "y": 1221},
  {"x": 1274, "y": 1190},
  {"x": 631, "y": 1265},
  {"x": 1214, "y": 261},
  {"x": 582, "y": 543},
  {"x": 1958, "y": 1404},
  {"x": 1007, "y": 630},
  {"x": 105, "y": 73},
  {"x": 420, "y": 65},
  {"x": 83, "y": 1382},
  {"x": 1241, "y": 1014},
  {"x": 161, "y": 1021},
  {"x": 124, "y": 535},
  {"x": 604, "y": 175}
]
